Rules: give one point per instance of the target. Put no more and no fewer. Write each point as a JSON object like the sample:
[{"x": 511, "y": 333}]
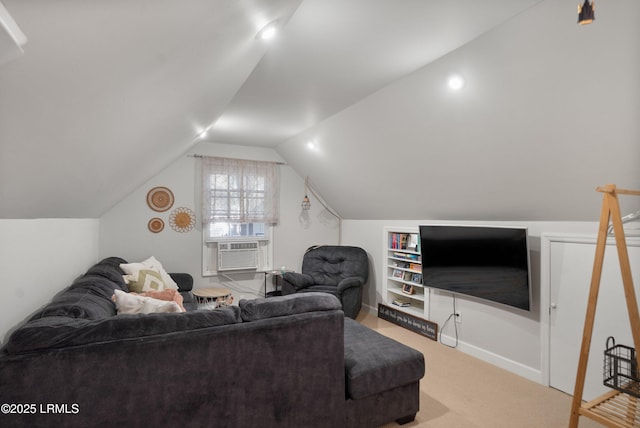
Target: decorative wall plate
[
  {"x": 160, "y": 199},
  {"x": 182, "y": 219},
  {"x": 155, "y": 225}
]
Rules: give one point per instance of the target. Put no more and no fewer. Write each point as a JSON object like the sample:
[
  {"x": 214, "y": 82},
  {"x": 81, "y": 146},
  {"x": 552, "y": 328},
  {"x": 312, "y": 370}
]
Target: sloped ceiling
[
  {"x": 108, "y": 93},
  {"x": 333, "y": 53},
  {"x": 11, "y": 37},
  {"x": 549, "y": 112}
]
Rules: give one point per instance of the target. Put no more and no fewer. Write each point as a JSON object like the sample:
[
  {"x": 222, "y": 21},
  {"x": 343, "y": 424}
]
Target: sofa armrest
[
  {"x": 354, "y": 281},
  {"x": 184, "y": 281},
  {"x": 185, "y": 285},
  {"x": 298, "y": 280}
]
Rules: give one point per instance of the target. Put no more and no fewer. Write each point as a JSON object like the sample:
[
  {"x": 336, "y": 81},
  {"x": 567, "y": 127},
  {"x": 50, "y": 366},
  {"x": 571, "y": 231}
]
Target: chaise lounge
[{"x": 290, "y": 361}]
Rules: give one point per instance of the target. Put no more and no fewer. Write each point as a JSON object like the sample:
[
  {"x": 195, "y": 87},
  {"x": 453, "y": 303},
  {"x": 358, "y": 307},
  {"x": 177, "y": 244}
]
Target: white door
[{"x": 570, "y": 270}]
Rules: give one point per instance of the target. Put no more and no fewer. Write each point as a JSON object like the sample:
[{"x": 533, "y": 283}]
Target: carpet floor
[{"x": 460, "y": 391}]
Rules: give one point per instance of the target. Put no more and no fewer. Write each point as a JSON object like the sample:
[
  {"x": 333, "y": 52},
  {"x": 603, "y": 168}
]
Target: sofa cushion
[
  {"x": 330, "y": 264},
  {"x": 109, "y": 268},
  {"x": 96, "y": 285},
  {"x": 90, "y": 295},
  {"x": 376, "y": 363},
  {"x": 257, "y": 309},
  {"x": 331, "y": 289},
  {"x": 79, "y": 303},
  {"x": 61, "y": 331}
]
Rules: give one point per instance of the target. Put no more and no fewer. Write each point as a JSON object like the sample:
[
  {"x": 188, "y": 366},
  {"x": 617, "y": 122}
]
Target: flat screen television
[{"x": 490, "y": 263}]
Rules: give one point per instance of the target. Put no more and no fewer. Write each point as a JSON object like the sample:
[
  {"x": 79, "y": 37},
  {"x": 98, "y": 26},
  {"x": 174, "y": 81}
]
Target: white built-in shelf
[{"x": 402, "y": 271}]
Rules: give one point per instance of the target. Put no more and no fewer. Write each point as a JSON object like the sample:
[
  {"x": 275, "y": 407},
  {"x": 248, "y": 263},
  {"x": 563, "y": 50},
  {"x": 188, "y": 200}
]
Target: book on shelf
[
  {"x": 414, "y": 242},
  {"x": 404, "y": 241},
  {"x": 406, "y": 256},
  {"x": 415, "y": 266},
  {"x": 401, "y": 302},
  {"x": 403, "y": 265}
]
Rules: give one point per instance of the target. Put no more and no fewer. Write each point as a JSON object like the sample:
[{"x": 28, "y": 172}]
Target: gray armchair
[{"x": 339, "y": 270}]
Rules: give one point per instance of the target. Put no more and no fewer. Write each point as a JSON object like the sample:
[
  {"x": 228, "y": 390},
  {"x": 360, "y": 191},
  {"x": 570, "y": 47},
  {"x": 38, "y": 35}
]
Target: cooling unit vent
[{"x": 237, "y": 255}]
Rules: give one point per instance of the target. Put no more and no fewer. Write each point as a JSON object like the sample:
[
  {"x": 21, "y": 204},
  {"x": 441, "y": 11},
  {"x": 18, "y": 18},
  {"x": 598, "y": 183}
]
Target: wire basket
[{"x": 621, "y": 368}]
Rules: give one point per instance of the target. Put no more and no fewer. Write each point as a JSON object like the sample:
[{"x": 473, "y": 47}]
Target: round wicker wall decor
[
  {"x": 155, "y": 225},
  {"x": 160, "y": 199},
  {"x": 182, "y": 219}
]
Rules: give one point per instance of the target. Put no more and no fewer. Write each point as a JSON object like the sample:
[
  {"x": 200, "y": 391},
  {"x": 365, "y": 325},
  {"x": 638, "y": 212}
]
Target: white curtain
[{"x": 239, "y": 191}]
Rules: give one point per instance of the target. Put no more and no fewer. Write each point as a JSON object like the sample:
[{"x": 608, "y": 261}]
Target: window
[
  {"x": 240, "y": 197},
  {"x": 240, "y": 202},
  {"x": 235, "y": 230}
]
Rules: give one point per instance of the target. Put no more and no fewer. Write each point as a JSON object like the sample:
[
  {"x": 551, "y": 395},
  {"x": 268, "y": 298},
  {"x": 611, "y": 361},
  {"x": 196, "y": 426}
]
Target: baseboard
[
  {"x": 371, "y": 309},
  {"x": 515, "y": 367}
]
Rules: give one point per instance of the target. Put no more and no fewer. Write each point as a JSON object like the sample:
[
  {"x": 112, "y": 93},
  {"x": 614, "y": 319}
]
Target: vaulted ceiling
[{"x": 107, "y": 93}]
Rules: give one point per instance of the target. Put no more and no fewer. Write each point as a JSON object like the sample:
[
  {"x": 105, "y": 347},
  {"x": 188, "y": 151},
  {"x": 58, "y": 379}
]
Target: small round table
[{"x": 212, "y": 298}]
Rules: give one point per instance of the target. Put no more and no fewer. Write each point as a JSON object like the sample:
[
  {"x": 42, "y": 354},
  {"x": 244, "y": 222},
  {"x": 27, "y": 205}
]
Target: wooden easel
[{"x": 613, "y": 409}]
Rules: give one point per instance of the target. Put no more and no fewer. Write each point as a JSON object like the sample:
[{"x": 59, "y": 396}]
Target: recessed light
[
  {"x": 268, "y": 32},
  {"x": 311, "y": 145},
  {"x": 456, "y": 82}
]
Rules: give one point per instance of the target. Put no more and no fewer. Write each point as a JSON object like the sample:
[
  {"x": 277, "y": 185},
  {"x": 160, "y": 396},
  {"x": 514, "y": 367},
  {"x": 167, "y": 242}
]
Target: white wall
[
  {"x": 38, "y": 258},
  {"x": 124, "y": 233},
  {"x": 509, "y": 338}
]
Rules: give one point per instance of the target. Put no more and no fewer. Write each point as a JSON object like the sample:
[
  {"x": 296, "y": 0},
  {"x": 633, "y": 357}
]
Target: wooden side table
[{"x": 212, "y": 298}]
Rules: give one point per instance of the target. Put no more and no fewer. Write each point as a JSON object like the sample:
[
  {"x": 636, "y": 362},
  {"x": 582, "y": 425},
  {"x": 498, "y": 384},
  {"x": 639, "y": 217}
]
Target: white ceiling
[
  {"x": 11, "y": 37},
  {"x": 109, "y": 92},
  {"x": 334, "y": 52}
]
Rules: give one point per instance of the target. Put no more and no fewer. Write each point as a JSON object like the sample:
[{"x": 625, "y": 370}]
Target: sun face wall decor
[{"x": 182, "y": 219}]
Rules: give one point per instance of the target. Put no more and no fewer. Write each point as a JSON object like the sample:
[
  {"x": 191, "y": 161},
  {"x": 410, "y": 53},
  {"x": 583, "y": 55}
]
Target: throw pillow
[
  {"x": 166, "y": 278},
  {"x": 153, "y": 264},
  {"x": 167, "y": 294},
  {"x": 144, "y": 280},
  {"x": 127, "y": 303}
]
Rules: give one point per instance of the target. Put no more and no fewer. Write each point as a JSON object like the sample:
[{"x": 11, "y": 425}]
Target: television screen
[{"x": 490, "y": 263}]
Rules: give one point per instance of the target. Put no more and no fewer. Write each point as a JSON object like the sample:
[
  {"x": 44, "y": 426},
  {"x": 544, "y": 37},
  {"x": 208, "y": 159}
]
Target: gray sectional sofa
[{"x": 290, "y": 361}]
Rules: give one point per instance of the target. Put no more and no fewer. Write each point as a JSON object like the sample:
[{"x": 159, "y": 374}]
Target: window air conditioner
[{"x": 237, "y": 255}]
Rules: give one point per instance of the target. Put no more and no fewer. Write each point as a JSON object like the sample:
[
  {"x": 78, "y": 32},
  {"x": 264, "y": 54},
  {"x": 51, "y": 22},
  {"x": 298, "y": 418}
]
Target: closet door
[{"x": 571, "y": 265}]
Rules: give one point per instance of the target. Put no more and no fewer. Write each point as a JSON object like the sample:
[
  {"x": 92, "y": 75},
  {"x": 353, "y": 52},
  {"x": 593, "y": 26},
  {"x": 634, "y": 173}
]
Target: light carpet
[{"x": 460, "y": 391}]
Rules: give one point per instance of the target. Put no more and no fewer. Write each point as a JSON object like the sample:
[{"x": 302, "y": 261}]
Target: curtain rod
[{"x": 205, "y": 156}]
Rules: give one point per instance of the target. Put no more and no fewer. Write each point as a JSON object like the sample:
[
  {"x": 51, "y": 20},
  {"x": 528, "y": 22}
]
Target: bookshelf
[{"x": 402, "y": 275}]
